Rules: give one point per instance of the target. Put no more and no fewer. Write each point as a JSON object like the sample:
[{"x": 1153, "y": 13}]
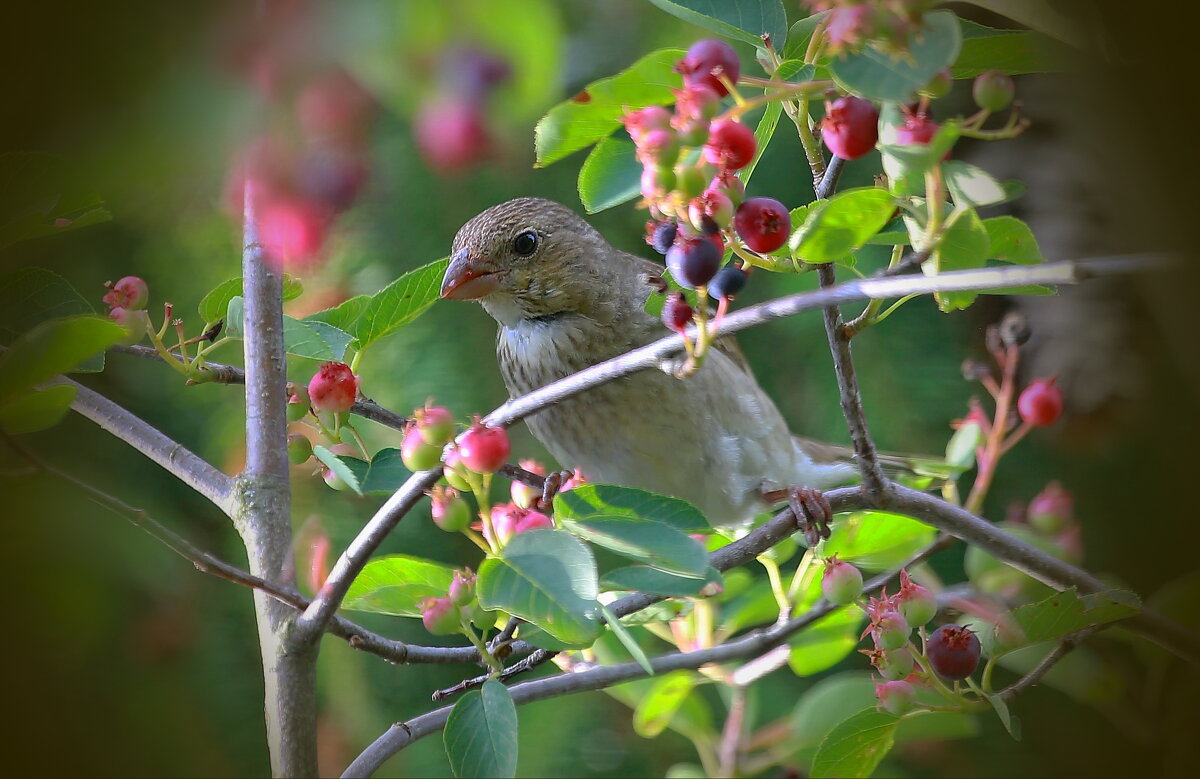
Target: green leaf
[
  {"x": 610, "y": 175},
  {"x": 658, "y": 705},
  {"x": 826, "y": 642},
  {"x": 397, "y": 584},
  {"x": 37, "y": 410},
  {"x": 741, "y": 20},
  {"x": 842, "y": 224},
  {"x": 643, "y": 578},
  {"x": 40, "y": 195},
  {"x": 215, "y": 304},
  {"x": 895, "y": 77},
  {"x": 646, "y": 541},
  {"x": 599, "y": 108},
  {"x": 1010, "y": 723},
  {"x": 877, "y": 540},
  {"x": 52, "y": 348},
  {"x": 1011, "y": 240},
  {"x": 385, "y": 474},
  {"x": 971, "y": 186},
  {"x": 626, "y": 638},
  {"x": 344, "y": 315},
  {"x": 481, "y": 733},
  {"x": 960, "y": 450},
  {"x": 856, "y": 746},
  {"x": 763, "y": 134},
  {"x": 965, "y": 245},
  {"x": 592, "y": 500},
  {"x": 1059, "y": 615},
  {"x": 547, "y": 577},
  {"x": 906, "y": 165},
  {"x": 31, "y": 296},
  {"x": 349, "y": 469},
  {"x": 311, "y": 339},
  {"x": 399, "y": 303},
  {"x": 800, "y": 34},
  {"x": 1011, "y": 51}
]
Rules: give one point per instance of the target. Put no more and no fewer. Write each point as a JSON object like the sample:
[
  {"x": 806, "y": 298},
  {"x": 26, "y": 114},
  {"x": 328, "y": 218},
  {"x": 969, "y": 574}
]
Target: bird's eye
[{"x": 525, "y": 243}]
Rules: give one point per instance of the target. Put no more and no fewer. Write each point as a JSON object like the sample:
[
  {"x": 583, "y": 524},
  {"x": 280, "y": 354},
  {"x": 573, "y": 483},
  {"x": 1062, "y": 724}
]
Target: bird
[{"x": 565, "y": 299}]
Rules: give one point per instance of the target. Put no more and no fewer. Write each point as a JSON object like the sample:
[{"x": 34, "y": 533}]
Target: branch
[
  {"x": 833, "y": 172},
  {"x": 231, "y": 374},
  {"x": 174, "y": 457},
  {"x": 1058, "y": 653}
]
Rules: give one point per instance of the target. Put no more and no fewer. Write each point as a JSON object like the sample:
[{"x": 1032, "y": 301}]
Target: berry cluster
[
  {"x": 457, "y": 610},
  {"x": 886, "y": 24},
  {"x": 126, "y": 300}
]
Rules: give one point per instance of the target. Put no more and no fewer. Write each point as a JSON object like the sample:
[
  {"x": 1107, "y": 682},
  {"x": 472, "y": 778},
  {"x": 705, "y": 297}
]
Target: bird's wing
[{"x": 933, "y": 470}]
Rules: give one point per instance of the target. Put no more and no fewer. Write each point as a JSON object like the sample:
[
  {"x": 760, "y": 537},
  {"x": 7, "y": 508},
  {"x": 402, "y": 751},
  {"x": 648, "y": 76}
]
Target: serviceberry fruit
[
  {"x": 763, "y": 223},
  {"x": 693, "y": 261},
  {"x": 333, "y": 388},
  {"x": 292, "y": 230},
  {"x": 133, "y": 321},
  {"x": 1041, "y": 403},
  {"x": 705, "y": 60},
  {"x": 435, "y": 424},
  {"x": 440, "y": 616},
  {"x": 676, "y": 313},
  {"x": 893, "y": 664},
  {"x": 128, "y": 292},
  {"x": 953, "y": 651},
  {"x": 851, "y": 127},
  {"x": 898, "y": 697},
  {"x": 298, "y": 404},
  {"x": 918, "y": 129},
  {"x": 993, "y": 90},
  {"x": 416, "y": 453},
  {"x": 299, "y": 448},
  {"x": 663, "y": 236},
  {"x": 890, "y": 630},
  {"x": 508, "y": 520},
  {"x": 731, "y": 145},
  {"x": 522, "y": 494},
  {"x": 658, "y": 147},
  {"x": 484, "y": 449},
  {"x": 697, "y": 101},
  {"x": 690, "y": 179},
  {"x": 1052, "y": 509},
  {"x": 657, "y": 181},
  {"x": 713, "y": 204},
  {"x": 639, "y": 123},
  {"x": 331, "y": 478},
  {"x": 728, "y": 184},
  {"x": 938, "y": 86},
  {"x": 462, "y": 587},
  {"x": 728, "y": 282},
  {"x": 454, "y": 472},
  {"x": 449, "y": 509},
  {"x": 915, "y": 603},
  {"x": 841, "y": 582}
]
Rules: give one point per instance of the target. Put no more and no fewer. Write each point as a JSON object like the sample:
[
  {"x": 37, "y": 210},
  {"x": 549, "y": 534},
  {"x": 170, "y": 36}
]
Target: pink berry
[
  {"x": 918, "y": 129},
  {"x": 522, "y": 494},
  {"x": 707, "y": 59},
  {"x": 1041, "y": 403},
  {"x": 728, "y": 184},
  {"x": 639, "y": 123},
  {"x": 333, "y": 388},
  {"x": 915, "y": 603},
  {"x": 441, "y": 616},
  {"x": 993, "y": 90},
  {"x": 134, "y": 323},
  {"x": 462, "y": 587},
  {"x": 508, "y": 520},
  {"x": 1052, "y": 509},
  {"x": 435, "y": 424},
  {"x": 332, "y": 176},
  {"x": 452, "y": 134},
  {"x": 953, "y": 651},
  {"x": 658, "y": 147},
  {"x": 129, "y": 292},
  {"x": 693, "y": 261},
  {"x": 676, "y": 313},
  {"x": 763, "y": 223},
  {"x": 484, "y": 449},
  {"x": 298, "y": 404},
  {"x": 731, "y": 145},
  {"x": 850, "y": 127},
  {"x": 416, "y": 453},
  {"x": 449, "y": 510},
  {"x": 893, "y": 664},
  {"x": 849, "y": 25},
  {"x": 890, "y": 630},
  {"x": 713, "y": 204},
  {"x": 657, "y": 181},
  {"x": 898, "y": 697},
  {"x": 841, "y": 582},
  {"x": 697, "y": 101}
]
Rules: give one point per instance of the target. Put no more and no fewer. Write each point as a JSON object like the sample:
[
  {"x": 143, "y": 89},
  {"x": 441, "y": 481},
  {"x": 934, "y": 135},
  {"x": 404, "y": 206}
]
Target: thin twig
[
  {"x": 730, "y": 750},
  {"x": 1058, "y": 653},
  {"x": 829, "y": 181}
]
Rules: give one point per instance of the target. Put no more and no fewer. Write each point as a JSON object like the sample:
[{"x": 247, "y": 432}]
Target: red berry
[
  {"x": 639, "y": 123},
  {"x": 728, "y": 282},
  {"x": 484, "y": 449},
  {"x": 129, "y": 292},
  {"x": 953, "y": 651},
  {"x": 416, "y": 453},
  {"x": 993, "y": 90},
  {"x": 917, "y": 129},
  {"x": 730, "y": 146},
  {"x": 333, "y": 388},
  {"x": 850, "y": 127},
  {"x": 705, "y": 60},
  {"x": 763, "y": 223},
  {"x": 697, "y": 101},
  {"x": 448, "y": 509},
  {"x": 915, "y": 603},
  {"x": 713, "y": 204},
  {"x": 898, "y": 697},
  {"x": 693, "y": 261},
  {"x": 676, "y": 313},
  {"x": 435, "y": 424},
  {"x": 1041, "y": 403},
  {"x": 452, "y": 134},
  {"x": 841, "y": 582},
  {"x": 440, "y": 616}
]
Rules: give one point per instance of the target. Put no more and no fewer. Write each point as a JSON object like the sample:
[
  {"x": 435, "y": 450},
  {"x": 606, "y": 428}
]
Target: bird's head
[{"x": 532, "y": 258}]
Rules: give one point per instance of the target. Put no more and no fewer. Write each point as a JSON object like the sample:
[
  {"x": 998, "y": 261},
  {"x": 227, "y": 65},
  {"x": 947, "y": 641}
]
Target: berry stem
[
  {"x": 776, "y": 579},
  {"x": 163, "y": 352},
  {"x": 362, "y": 446},
  {"x": 816, "y": 42},
  {"x": 801, "y": 574},
  {"x": 992, "y": 450},
  {"x": 473, "y": 637},
  {"x": 935, "y": 198}
]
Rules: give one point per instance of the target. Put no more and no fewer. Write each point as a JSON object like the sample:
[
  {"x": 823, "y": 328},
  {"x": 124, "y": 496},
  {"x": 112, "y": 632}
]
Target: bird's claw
[
  {"x": 550, "y": 487},
  {"x": 813, "y": 513}
]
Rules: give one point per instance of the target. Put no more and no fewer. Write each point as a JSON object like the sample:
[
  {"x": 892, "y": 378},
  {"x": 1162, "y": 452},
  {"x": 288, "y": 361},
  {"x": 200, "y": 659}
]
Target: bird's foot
[
  {"x": 813, "y": 513},
  {"x": 550, "y": 487}
]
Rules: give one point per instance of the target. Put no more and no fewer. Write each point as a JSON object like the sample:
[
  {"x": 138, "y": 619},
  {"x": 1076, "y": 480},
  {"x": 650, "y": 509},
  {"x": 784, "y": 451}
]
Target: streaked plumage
[{"x": 714, "y": 439}]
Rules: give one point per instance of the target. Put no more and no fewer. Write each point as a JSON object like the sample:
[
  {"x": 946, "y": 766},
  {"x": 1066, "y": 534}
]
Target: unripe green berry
[
  {"x": 993, "y": 90},
  {"x": 299, "y": 448},
  {"x": 841, "y": 582}
]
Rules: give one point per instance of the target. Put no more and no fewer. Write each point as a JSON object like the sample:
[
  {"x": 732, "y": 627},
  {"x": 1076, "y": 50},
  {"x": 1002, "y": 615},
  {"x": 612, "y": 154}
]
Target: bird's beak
[{"x": 469, "y": 278}]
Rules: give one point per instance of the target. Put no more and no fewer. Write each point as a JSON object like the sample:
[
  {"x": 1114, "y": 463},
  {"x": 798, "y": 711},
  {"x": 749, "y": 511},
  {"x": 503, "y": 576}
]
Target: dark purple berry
[
  {"x": 676, "y": 313},
  {"x": 728, "y": 282},
  {"x": 693, "y": 261},
  {"x": 953, "y": 651},
  {"x": 663, "y": 237}
]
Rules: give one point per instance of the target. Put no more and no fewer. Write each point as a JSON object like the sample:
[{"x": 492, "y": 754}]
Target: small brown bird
[{"x": 564, "y": 300}]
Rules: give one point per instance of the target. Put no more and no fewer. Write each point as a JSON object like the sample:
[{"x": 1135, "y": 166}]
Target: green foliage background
[{"x": 121, "y": 660}]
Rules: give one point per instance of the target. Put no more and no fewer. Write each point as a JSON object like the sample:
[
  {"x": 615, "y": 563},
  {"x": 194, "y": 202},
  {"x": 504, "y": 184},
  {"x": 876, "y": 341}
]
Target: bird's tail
[{"x": 922, "y": 472}]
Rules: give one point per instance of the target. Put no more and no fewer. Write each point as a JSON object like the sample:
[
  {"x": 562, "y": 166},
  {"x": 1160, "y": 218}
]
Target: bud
[
  {"x": 435, "y": 425},
  {"x": 508, "y": 520}
]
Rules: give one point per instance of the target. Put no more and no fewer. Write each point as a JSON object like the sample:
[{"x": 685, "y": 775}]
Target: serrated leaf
[
  {"x": 743, "y": 20},
  {"x": 643, "y": 578},
  {"x": 1010, "y": 51},
  {"x": 970, "y": 185},
  {"x": 344, "y": 315},
  {"x": 1011, "y": 240},
  {"x": 855, "y": 747},
  {"x": 626, "y": 638},
  {"x": 646, "y": 541},
  {"x": 1062, "y": 614},
  {"x": 660, "y": 702},
  {"x": 842, "y": 224},
  {"x": 349, "y": 469},
  {"x": 610, "y": 176},
  {"x": 215, "y": 304},
  {"x": 397, "y": 584},
  {"x": 52, "y": 348},
  {"x": 36, "y": 410},
  {"x": 877, "y": 540},
  {"x": 598, "y": 109},
  {"x": 826, "y": 642},
  {"x": 481, "y": 733},
  {"x": 399, "y": 303},
  {"x": 311, "y": 339},
  {"x": 40, "y": 196},
  {"x": 547, "y": 577},
  {"x": 31, "y": 296},
  {"x": 385, "y": 474},
  {"x": 593, "y": 500},
  {"x": 895, "y": 77}
]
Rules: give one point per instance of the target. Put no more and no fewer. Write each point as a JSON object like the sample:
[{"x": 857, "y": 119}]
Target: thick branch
[{"x": 178, "y": 460}]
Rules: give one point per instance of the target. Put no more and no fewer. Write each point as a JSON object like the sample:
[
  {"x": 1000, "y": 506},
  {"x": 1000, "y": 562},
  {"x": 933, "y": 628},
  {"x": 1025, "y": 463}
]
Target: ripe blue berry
[
  {"x": 693, "y": 261},
  {"x": 663, "y": 236},
  {"x": 728, "y": 282}
]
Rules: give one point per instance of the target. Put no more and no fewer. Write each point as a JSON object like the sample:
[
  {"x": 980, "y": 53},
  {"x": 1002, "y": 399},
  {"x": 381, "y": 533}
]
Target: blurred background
[{"x": 383, "y": 127}]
